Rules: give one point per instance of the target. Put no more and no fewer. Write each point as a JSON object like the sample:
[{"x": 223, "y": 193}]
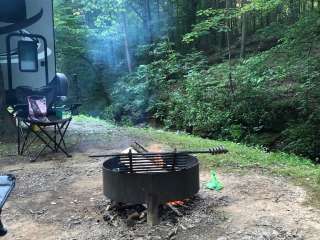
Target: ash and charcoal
[
  {"x": 137, "y": 214},
  {"x": 175, "y": 218}
]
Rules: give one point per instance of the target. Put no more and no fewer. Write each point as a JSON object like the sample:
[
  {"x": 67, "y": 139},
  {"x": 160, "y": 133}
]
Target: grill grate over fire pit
[{"x": 152, "y": 178}]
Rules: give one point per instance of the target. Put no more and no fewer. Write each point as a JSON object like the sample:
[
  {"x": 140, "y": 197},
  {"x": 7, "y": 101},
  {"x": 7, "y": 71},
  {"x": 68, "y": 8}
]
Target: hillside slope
[{"x": 269, "y": 99}]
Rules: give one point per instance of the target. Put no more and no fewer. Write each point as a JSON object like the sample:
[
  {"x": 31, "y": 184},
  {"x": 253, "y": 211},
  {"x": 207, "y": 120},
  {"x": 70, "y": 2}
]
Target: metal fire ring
[{"x": 137, "y": 187}]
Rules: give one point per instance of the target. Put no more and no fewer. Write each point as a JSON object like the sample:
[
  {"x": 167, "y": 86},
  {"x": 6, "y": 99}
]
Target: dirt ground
[{"x": 61, "y": 198}]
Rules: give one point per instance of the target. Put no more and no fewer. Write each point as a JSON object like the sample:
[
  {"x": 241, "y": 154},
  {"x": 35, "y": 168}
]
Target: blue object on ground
[{"x": 7, "y": 184}]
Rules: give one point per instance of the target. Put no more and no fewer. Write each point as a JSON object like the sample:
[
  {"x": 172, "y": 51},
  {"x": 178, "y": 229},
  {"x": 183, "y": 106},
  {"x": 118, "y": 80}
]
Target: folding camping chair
[
  {"x": 38, "y": 124},
  {"x": 7, "y": 184}
]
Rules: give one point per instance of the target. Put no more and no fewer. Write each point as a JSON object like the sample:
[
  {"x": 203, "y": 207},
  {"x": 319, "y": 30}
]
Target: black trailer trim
[
  {"x": 54, "y": 39},
  {"x": 21, "y": 25}
]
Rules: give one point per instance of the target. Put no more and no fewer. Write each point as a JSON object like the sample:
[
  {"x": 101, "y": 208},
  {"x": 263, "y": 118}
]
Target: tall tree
[
  {"x": 143, "y": 10},
  {"x": 243, "y": 32},
  {"x": 228, "y": 5},
  {"x": 126, "y": 42}
]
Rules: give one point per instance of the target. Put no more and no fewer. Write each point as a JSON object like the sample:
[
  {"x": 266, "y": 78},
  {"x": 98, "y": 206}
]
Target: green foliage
[
  {"x": 103, "y": 16},
  {"x": 214, "y": 19},
  {"x": 71, "y": 42},
  {"x": 268, "y": 97},
  {"x": 273, "y": 31},
  {"x": 71, "y": 30},
  {"x": 144, "y": 94},
  {"x": 220, "y": 19},
  {"x": 272, "y": 90},
  {"x": 263, "y": 6},
  {"x": 131, "y": 97}
]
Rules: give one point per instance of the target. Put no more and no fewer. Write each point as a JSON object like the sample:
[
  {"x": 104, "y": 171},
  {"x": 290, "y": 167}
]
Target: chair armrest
[{"x": 18, "y": 110}]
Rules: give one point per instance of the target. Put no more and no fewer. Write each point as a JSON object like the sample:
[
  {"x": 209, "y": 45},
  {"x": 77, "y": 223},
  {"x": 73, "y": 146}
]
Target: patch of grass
[
  {"x": 84, "y": 119},
  {"x": 301, "y": 170}
]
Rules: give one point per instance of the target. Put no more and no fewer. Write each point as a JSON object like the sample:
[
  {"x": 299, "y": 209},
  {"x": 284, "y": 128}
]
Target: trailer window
[{"x": 28, "y": 56}]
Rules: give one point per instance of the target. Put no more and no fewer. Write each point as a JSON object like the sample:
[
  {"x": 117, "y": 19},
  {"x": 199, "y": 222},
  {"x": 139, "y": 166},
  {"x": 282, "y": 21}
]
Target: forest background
[{"x": 242, "y": 70}]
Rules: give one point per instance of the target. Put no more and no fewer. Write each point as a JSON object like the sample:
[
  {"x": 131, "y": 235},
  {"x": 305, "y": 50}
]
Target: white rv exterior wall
[{"x": 43, "y": 27}]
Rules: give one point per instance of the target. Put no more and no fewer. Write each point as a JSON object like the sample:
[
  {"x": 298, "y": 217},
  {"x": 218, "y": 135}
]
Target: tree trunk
[
  {"x": 191, "y": 14},
  {"x": 228, "y": 4},
  {"x": 148, "y": 20},
  {"x": 158, "y": 9},
  {"x": 143, "y": 11},
  {"x": 294, "y": 11},
  {"x": 126, "y": 42},
  {"x": 254, "y": 25},
  {"x": 113, "y": 55},
  {"x": 172, "y": 20},
  {"x": 243, "y": 34}
]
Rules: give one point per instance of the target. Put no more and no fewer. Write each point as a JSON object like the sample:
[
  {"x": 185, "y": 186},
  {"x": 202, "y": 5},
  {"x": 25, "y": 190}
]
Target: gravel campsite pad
[{"x": 59, "y": 198}]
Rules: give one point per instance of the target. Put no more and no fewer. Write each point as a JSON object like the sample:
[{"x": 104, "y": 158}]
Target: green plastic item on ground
[
  {"x": 59, "y": 112},
  {"x": 214, "y": 183}
]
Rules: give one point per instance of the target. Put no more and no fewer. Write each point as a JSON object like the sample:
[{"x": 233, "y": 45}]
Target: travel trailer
[{"x": 27, "y": 47}]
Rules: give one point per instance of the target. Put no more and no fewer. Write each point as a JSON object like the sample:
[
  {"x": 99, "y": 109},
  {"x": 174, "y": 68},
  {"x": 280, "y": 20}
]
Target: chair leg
[
  {"x": 38, "y": 155},
  {"x": 25, "y": 142},
  {"x": 18, "y": 136},
  {"x": 3, "y": 231},
  {"x": 51, "y": 139},
  {"x": 62, "y": 133},
  {"x": 47, "y": 143},
  {"x": 55, "y": 139}
]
